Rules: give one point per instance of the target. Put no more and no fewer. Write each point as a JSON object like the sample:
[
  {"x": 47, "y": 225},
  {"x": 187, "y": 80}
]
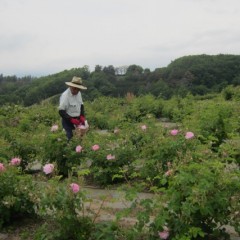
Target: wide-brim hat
[{"x": 76, "y": 82}]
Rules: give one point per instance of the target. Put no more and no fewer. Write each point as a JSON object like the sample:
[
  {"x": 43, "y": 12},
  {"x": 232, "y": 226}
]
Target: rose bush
[
  {"x": 192, "y": 168},
  {"x": 15, "y": 192}
]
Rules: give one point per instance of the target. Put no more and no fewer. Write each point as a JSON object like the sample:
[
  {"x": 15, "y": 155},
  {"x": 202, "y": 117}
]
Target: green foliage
[
  {"x": 230, "y": 151},
  {"x": 142, "y": 107},
  {"x": 104, "y": 112},
  {"x": 194, "y": 181},
  {"x": 55, "y": 149},
  {"x": 160, "y": 89},
  {"x": 231, "y": 93},
  {"x": 213, "y": 122},
  {"x": 106, "y": 231},
  {"x": 178, "y": 108},
  {"x": 33, "y": 90},
  {"x": 120, "y": 150},
  {"x": 198, "y": 75},
  {"x": 199, "y": 196},
  {"x": 103, "y": 83},
  {"x": 59, "y": 205},
  {"x": 25, "y": 150},
  {"x": 15, "y": 194},
  {"x": 204, "y": 69}
]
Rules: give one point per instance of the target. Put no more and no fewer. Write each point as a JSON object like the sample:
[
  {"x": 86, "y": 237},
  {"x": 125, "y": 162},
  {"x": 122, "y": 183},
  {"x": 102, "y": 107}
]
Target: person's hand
[
  {"x": 75, "y": 121},
  {"x": 82, "y": 120}
]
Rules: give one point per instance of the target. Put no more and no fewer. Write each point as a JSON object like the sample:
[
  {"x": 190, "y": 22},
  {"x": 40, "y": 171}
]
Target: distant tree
[
  {"x": 109, "y": 70},
  {"x": 121, "y": 70},
  {"x": 236, "y": 80},
  {"x": 197, "y": 74},
  {"x": 33, "y": 96},
  {"x": 98, "y": 68},
  {"x": 134, "y": 69},
  {"x": 146, "y": 71},
  {"x": 199, "y": 90},
  {"x": 160, "y": 89},
  {"x": 100, "y": 82},
  {"x": 188, "y": 79},
  {"x": 134, "y": 75},
  {"x": 1, "y": 78}
]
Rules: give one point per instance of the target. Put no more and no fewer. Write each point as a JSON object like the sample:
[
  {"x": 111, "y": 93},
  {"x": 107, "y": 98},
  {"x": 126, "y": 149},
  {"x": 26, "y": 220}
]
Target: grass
[{"x": 21, "y": 228}]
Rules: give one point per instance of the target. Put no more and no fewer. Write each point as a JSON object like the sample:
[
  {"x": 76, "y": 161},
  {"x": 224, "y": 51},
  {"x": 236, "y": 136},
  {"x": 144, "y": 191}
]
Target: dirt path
[
  {"x": 106, "y": 203},
  {"x": 113, "y": 201},
  {"x": 102, "y": 206}
]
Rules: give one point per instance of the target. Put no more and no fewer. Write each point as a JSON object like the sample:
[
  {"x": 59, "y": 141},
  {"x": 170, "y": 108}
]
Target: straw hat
[{"x": 76, "y": 82}]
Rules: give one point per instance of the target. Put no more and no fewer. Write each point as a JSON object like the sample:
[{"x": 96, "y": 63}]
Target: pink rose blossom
[
  {"x": 81, "y": 127},
  {"x": 2, "y": 168},
  {"x": 110, "y": 157},
  {"x": 48, "y": 168},
  {"x": 78, "y": 149},
  {"x": 75, "y": 187},
  {"x": 174, "y": 132},
  {"x": 164, "y": 234},
  {"x": 54, "y": 128},
  {"x": 15, "y": 161},
  {"x": 189, "y": 135},
  {"x": 169, "y": 172},
  {"x": 143, "y": 127},
  {"x": 95, "y": 147}
]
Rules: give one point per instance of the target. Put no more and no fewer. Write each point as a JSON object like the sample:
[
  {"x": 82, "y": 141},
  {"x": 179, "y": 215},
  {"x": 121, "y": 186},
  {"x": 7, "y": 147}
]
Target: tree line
[{"x": 195, "y": 74}]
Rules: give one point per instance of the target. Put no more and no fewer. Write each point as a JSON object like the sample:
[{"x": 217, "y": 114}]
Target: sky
[{"x": 42, "y": 37}]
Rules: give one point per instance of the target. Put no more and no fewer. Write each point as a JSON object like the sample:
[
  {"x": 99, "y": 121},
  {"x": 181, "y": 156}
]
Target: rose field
[{"x": 185, "y": 152}]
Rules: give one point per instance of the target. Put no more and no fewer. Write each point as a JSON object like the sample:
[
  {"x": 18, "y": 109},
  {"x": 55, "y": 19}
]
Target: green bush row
[{"x": 190, "y": 163}]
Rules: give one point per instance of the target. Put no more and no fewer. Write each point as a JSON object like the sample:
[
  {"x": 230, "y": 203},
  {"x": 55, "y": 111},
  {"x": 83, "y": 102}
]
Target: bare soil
[{"x": 103, "y": 206}]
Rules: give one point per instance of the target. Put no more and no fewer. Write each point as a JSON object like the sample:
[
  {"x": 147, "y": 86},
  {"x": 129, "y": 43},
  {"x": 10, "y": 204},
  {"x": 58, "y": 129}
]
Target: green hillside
[{"x": 198, "y": 75}]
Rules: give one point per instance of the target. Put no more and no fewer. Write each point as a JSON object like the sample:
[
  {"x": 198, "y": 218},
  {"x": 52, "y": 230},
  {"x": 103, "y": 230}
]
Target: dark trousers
[{"x": 69, "y": 127}]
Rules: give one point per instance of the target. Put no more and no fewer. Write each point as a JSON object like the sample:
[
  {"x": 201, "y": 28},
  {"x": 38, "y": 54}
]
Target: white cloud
[{"x": 47, "y": 36}]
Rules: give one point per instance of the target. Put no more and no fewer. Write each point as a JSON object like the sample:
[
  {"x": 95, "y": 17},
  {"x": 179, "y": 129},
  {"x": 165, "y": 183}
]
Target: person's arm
[
  {"x": 82, "y": 113},
  {"x": 74, "y": 121},
  {"x": 64, "y": 114}
]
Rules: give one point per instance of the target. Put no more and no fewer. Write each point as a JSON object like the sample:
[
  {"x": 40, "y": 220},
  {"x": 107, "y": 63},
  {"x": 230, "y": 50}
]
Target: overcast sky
[{"x": 41, "y": 37}]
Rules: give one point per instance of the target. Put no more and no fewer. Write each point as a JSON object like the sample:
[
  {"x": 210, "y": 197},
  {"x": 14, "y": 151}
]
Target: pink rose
[
  {"x": 110, "y": 157},
  {"x": 164, "y": 234},
  {"x": 143, "y": 127},
  {"x": 2, "y": 168},
  {"x": 174, "y": 132},
  {"x": 95, "y": 147},
  {"x": 81, "y": 127},
  {"x": 169, "y": 172},
  {"x": 15, "y": 161},
  {"x": 78, "y": 149},
  {"x": 54, "y": 128},
  {"x": 189, "y": 135},
  {"x": 75, "y": 187},
  {"x": 48, "y": 168}
]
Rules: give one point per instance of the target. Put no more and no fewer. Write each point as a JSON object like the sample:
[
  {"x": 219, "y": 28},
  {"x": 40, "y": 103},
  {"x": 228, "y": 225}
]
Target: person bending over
[{"x": 71, "y": 108}]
